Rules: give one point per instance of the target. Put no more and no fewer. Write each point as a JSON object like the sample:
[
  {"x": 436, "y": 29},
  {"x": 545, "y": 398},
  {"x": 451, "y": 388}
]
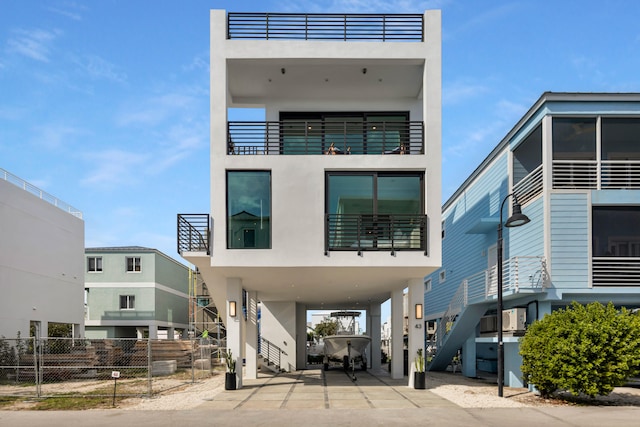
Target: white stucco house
[{"x": 333, "y": 200}]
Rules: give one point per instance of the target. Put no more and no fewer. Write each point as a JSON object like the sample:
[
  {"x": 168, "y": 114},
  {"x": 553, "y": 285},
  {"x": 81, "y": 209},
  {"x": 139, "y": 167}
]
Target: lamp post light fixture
[{"x": 516, "y": 219}]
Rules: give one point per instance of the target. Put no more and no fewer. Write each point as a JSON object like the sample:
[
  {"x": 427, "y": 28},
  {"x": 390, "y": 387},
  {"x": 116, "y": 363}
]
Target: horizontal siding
[
  {"x": 466, "y": 254},
  {"x": 527, "y": 240},
  {"x": 569, "y": 240}
]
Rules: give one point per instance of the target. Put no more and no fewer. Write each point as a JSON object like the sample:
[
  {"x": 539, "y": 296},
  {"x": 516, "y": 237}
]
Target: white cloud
[
  {"x": 457, "y": 92},
  {"x": 69, "y": 10},
  {"x": 155, "y": 109},
  {"x": 55, "y": 136},
  {"x": 34, "y": 44},
  {"x": 99, "y": 68},
  {"x": 112, "y": 167}
]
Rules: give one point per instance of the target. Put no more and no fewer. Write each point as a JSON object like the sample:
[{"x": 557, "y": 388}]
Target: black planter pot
[
  {"x": 230, "y": 381},
  {"x": 419, "y": 380}
]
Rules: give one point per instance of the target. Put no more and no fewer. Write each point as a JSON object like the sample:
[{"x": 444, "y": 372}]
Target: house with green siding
[
  {"x": 135, "y": 292},
  {"x": 572, "y": 165}
]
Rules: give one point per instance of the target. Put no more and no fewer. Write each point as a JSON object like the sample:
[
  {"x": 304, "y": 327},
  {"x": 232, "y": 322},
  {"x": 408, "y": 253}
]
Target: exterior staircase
[
  {"x": 270, "y": 356},
  {"x": 478, "y": 293}
]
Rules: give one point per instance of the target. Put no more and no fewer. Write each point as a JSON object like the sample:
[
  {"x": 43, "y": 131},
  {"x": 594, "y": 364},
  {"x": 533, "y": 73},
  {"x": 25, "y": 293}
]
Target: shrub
[{"x": 582, "y": 349}]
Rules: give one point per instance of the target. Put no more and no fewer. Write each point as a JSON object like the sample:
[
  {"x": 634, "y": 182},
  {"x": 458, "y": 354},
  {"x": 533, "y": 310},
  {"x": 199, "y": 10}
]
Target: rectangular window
[
  {"x": 133, "y": 264},
  {"x": 376, "y": 210},
  {"x": 615, "y": 231},
  {"x": 574, "y": 138},
  {"x": 127, "y": 302},
  {"x": 248, "y": 209},
  {"x": 94, "y": 264}
]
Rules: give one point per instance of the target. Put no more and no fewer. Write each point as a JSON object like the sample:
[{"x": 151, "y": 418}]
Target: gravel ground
[{"x": 463, "y": 391}]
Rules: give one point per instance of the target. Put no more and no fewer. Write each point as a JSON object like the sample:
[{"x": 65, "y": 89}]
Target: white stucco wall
[{"x": 41, "y": 263}]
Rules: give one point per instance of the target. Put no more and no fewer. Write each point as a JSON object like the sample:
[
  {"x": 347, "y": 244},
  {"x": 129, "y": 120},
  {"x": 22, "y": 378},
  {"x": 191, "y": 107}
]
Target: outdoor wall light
[
  {"x": 232, "y": 309},
  {"x": 418, "y": 311}
]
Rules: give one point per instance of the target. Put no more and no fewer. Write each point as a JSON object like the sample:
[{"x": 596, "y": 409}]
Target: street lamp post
[{"x": 516, "y": 219}]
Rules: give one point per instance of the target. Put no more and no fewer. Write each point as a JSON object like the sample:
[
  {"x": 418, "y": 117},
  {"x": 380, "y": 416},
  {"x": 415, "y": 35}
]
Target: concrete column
[
  {"x": 397, "y": 335},
  {"x": 170, "y": 332},
  {"x": 139, "y": 333},
  {"x": 416, "y": 326},
  {"x": 235, "y": 340},
  {"x": 469, "y": 356},
  {"x": 153, "y": 332},
  {"x": 251, "y": 347},
  {"x": 373, "y": 328}
]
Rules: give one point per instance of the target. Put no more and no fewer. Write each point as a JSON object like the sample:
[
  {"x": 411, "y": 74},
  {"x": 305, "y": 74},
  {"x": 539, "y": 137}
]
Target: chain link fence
[{"x": 46, "y": 367}]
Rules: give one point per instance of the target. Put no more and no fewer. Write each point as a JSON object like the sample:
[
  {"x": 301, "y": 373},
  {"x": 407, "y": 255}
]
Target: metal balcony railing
[
  {"x": 326, "y": 26},
  {"x": 194, "y": 233},
  {"x": 345, "y": 232},
  {"x": 18, "y": 182},
  {"x": 323, "y": 137}
]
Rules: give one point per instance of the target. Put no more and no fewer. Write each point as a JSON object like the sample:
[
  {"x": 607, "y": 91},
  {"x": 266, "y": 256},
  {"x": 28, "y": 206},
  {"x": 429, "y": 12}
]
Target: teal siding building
[
  {"x": 135, "y": 292},
  {"x": 572, "y": 163}
]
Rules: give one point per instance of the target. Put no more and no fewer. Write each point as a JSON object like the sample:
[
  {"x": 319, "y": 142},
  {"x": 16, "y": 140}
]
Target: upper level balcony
[
  {"x": 326, "y": 26},
  {"x": 314, "y": 137}
]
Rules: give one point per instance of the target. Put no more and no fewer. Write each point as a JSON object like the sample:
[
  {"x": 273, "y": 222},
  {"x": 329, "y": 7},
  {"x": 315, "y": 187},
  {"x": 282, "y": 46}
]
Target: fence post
[
  {"x": 36, "y": 365},
  {"x": 149, "y": 368}
]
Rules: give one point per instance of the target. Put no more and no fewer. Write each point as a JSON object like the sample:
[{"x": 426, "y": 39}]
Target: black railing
[
  {"x": 194, "y": 233},
  {"x": 314, "y": 137},
  {"x": 345, "y": 232},
  {"x": 271, "y": 352},
  {"x": 326, "y": 26}
]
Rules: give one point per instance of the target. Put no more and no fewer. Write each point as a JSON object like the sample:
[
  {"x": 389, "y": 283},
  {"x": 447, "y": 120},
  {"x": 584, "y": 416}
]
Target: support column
[
  {"x": 397, "y": 335},
  {"x": 153, "y": 332},
  {"x": 235, "y": 341},
  {"x": 171, "y": 332},
  {"x": 251, "y": 352},
  {"x": 416, "y": 328},
  {"x": 469, "y": 356},
  {"x": 139, "y": 333},
  {"x": 374, "y": 332}
]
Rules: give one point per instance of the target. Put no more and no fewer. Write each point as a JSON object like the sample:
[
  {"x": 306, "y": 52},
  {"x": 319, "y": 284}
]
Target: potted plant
[
  {"x": 419, "y": 377},
  {"x": 230, "y": 375}
]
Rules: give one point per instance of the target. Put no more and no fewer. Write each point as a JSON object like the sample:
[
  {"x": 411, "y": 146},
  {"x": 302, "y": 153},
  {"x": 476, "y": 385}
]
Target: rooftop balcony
[
  {"x": 326, "y": 26},
  {"x": 328, "y": 137}
]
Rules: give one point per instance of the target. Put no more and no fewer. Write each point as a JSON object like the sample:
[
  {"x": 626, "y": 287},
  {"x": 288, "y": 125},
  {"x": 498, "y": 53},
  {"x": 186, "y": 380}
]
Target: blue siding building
[{"x": 573, "y": 164}]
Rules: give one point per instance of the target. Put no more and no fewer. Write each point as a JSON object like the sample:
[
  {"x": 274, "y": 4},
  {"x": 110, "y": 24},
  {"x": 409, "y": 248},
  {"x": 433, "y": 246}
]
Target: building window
[
  {"x": 133, "y": 264},
  {"x": 203, "y": 302},
  {"x": 127, "y": 302},
  {"x": 248, "y": 209},
  {"x": 574, "y": 138},
  {"x": 375, "y": 210},
  {"x": 443, "y": 276},
  {"x": 94, "y": 264},
  {"x": 443, "y": 230},
  {"x": 615, "y": 231},
  {"x": 427, "y": 285}
]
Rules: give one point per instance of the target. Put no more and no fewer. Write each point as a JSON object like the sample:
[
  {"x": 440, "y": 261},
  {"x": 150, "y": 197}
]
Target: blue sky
[{"x": 104, "y": 104}]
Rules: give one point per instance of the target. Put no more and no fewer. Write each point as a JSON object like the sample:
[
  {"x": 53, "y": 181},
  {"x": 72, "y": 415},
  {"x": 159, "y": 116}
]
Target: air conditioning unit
[
  {"x": 488, "y": 324},
  {"x": 514, "y": 320}
]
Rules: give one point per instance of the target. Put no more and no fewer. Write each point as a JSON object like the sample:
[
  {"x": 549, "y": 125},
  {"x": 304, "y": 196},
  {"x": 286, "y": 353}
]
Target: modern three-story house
[
  {"x": 333, "y": 200},
  {"x": 572, "y": 165}
]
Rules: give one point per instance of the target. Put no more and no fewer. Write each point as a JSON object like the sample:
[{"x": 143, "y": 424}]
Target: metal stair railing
[{"x": 271, "y": 352}]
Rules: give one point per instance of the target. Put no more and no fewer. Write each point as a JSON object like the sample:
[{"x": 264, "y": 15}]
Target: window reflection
[{"x": 248, "y": 209}]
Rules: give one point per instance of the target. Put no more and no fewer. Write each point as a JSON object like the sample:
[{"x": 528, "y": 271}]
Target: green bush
[{"x": 582, "y": 349}]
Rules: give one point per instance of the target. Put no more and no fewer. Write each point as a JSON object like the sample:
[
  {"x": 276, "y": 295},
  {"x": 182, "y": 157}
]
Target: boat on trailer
[{"x": 346, "y": 347}]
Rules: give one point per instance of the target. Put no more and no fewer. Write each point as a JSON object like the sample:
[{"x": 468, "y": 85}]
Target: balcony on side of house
[{"x": 326, "y": 26}]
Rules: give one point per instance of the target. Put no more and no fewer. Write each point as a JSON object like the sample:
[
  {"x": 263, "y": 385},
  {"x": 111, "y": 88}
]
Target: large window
[
  {"x": 616, "y": 231},
  {"x": 574, "y": 138},
  {"x": 620, "y": 138},
  {"x": 375, "y": 210},
  {"x": 248, "y": 209},
  {"x": 350, "y": 133}
]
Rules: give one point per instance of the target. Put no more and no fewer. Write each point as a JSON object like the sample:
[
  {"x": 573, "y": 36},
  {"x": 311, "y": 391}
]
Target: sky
[{"x": 105, "y": 104}]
